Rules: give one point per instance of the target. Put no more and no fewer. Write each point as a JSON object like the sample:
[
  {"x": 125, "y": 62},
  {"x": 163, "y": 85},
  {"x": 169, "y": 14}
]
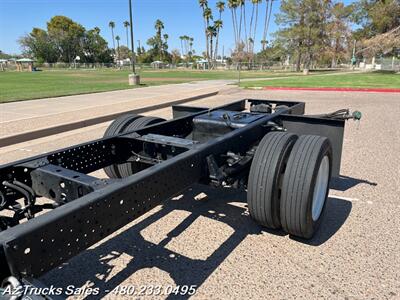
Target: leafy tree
[
  {"x": 273, "y": 53},
  {"x": 67, "y": 36},
  {"x": 4, "y": 55},
  {"x": 387, "y": 43},
  {"x": 64, "y": 40},
  {"x": 39, "y": 45},
  {"x": 379, "y": 20},
  {"x": 304, "y": 28},
  {"x": 376, "y": 17},
  {"x": 125, "y": 52},
  {"x": 95, "y": 47},
  {"x": 240, "y": 54},
  {"x": 339, "y": 32},
  {"x": 175, "y": 56}
]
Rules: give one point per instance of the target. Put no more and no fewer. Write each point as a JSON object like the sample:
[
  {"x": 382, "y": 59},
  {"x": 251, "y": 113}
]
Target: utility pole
[
  {"x": 353, "y": 58},
  {"x": 132, "y": 45},
  {"x": 134, "y": 79}
]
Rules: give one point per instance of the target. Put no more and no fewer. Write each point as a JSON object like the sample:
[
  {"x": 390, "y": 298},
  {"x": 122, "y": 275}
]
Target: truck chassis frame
[{"x": 88, "y": 209}]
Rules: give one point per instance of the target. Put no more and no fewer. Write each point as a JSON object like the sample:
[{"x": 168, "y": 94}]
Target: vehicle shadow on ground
[
  {"x": 94, "y": 266},
  {"x": 343, "y": 183}
]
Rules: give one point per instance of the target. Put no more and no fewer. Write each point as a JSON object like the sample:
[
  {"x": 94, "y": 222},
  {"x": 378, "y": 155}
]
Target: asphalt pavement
[{"x": 213, "y": 244}]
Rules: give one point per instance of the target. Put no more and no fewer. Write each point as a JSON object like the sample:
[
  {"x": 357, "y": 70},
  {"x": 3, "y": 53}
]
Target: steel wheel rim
[{"x": 320, "y": 189}]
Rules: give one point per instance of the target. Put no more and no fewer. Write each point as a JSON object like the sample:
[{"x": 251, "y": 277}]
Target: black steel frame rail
[{"x": 102, "y": 206}]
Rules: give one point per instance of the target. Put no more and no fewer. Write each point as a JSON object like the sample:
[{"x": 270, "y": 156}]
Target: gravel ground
[{"x": 213, "y": 244}]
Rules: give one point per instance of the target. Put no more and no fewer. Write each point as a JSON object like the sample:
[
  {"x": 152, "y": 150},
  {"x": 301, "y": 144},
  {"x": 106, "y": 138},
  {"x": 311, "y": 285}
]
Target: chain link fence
[
  {"x": 382, "y": 64},
  {"x": 203, "y": 65},
  {"x": 387, "y": 64}
]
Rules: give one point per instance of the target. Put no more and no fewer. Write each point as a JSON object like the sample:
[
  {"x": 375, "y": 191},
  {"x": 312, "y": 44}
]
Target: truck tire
[
  {"x": 305, "y": 185},
  {"x": 115, "y": 128},
  {"x": 128, "y": 169},
  {"x": 267, "y": 167}
]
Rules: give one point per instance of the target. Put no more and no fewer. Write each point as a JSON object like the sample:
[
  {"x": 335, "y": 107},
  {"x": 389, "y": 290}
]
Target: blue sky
[{"x": 180, "y": 17}]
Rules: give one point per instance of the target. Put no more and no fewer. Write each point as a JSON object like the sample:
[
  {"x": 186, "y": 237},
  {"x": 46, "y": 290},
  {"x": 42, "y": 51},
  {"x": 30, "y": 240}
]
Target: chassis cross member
[{"x": 284, "y": 160}]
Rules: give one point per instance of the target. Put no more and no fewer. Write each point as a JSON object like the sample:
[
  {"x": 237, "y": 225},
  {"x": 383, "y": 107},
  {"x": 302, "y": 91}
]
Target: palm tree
[
  {"x": 254, "y": 10},
  {"x": 267, "y": 19},
  {"x": 207, "y": 14},
  {"x": 211, "y": 32},
  {"x": 232, "y": 4},
  {"x": 165, "y": 43},
  {"x": 242, "y": 5},
  {"x": 218, "y": 24},
  {"x": 221, "y": 8},
  {"x": 181, "y": 38},
  {"x": 112, "y": 26},
  {"x": 191, "y": 45},
  {"x": 117, "y": 38},
  {"x": 126, "y": 25},
  {"x": 263, "y": 43},
  {"x": 251, "y": 41},
  {"x": 159, "y": 26},
  {"x": 203, "y": 4},
  {"x": 166, "y": 37},
  {"x": 187, "y": 39},
  {"x": 255, "y": 23},
  {"x": 206, "y": 11}
]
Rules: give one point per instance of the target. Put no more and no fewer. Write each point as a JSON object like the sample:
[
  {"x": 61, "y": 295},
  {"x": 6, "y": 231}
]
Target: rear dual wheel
[
  {"x": 263, "y": 190},
  {"x": 305, "y": 185},
  {"x": 124, "y": 124},
  {"x": 289, "y": 182}
]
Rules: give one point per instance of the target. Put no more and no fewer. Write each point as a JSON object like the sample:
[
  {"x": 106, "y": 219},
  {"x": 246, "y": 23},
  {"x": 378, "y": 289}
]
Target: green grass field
[
  {"x": 16, "y": 86},
  {"x": 354, "y": 80}
]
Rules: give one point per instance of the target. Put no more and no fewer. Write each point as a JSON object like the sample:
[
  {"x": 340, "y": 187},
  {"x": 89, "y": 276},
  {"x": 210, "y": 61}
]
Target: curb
[
  {"x": 43, "y": 132},
  {"x": 327, "y": 89}
]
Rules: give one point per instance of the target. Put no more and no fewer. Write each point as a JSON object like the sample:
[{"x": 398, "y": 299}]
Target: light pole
[
  {"x": 353, "y": 58},
  {"x": 134, "y": 79}
]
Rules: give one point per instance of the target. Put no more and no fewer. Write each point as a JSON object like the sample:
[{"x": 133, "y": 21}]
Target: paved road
[{"x": 213, "y": 244}]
